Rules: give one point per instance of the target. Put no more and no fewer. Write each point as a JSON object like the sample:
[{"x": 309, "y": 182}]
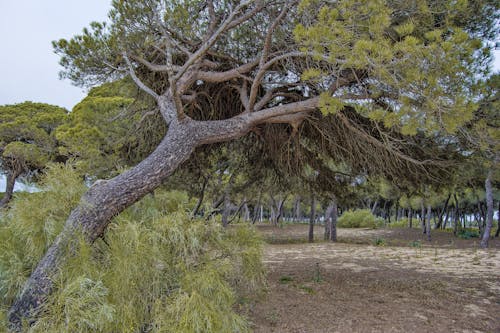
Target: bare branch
[
  {"x": 211, "y": 41},
  {"x": 137, "y": 81},
  {"x": 153, "y": 67},
  {"x": 264, "y": 56},
  {"x": 264, "y": 115},
  {"x": 213, "y": 17},
  {"x": 216, "y": 77}
]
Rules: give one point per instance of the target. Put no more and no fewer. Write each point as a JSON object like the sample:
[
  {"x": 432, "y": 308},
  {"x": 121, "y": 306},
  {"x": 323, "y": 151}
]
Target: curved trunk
[
  {"x": 489, "y": 210},
  {"x": 107, "y": 198},
  {"x": 9, "y": 189}
]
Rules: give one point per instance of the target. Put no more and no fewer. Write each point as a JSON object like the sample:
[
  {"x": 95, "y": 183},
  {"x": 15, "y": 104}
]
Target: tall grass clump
[
  {"x": 360, "y": 218},
  {"x": 156, "y": 270}
]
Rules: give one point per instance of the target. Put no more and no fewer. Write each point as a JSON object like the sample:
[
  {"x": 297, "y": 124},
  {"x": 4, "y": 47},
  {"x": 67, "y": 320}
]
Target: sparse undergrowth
[{"x": 155, "y": 271}]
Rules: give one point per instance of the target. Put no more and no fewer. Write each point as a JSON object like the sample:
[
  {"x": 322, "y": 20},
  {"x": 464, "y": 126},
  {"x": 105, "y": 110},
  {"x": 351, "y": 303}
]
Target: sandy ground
[{"x": 348, "y": 287}]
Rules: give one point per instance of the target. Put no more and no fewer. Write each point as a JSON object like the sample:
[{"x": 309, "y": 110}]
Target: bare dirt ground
[{"x": 445, "y": 286}]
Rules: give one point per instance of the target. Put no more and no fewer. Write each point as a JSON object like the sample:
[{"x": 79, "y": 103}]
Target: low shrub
[
  {"x": 361, "y": 218},
  {"x": 468, "y": 233},
  {"x": 153, "y": 272}
]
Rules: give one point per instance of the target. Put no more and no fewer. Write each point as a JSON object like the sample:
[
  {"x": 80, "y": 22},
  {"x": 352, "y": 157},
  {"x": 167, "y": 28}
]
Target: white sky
[{"x": 28, "y": 67}]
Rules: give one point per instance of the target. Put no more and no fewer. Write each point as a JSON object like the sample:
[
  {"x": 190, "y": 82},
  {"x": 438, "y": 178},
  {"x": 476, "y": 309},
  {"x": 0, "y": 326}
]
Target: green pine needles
[{"x": 155, "y": 270}]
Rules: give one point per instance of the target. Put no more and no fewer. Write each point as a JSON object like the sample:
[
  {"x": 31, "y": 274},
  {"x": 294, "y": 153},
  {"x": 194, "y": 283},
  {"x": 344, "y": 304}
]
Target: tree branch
[
  {"x": 211, "y": 41},
  {"x": 137, "y": 81}
]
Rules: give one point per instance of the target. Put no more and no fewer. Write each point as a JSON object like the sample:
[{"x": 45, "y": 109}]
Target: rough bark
[
  {"x": 489, "y": 210},
  {"x": 106, "y": 199},
  {"x": 9, "y": 188}
]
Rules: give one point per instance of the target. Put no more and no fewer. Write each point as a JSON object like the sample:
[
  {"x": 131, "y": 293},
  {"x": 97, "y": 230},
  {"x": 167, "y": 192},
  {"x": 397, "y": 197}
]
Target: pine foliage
[{"x": 155, "y": 271}]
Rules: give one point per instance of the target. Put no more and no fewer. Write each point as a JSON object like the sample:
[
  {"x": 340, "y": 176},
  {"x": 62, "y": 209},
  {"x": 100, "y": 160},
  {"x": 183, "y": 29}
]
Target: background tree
[
  {"x": 108, "y": 130},
  {"x": 27, "y": 141}
]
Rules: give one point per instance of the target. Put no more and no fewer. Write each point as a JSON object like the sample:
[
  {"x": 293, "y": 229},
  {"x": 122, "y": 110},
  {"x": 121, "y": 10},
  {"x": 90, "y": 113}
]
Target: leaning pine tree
[{"x": 409, "y": 66}]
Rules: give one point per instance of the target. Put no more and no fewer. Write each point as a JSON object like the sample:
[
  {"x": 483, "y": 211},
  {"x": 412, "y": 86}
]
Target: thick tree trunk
[
  {"x": 312, "y": 218},
  {"x": 489, "y": 210},
  {"x": 9, "y": 188},
  {"x": 105, "y": 199}
]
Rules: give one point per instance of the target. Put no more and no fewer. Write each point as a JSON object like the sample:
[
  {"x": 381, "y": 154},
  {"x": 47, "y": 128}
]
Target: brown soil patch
[
  {"x": 341, "y": 287},
  {"x": 297, "y": 233}
]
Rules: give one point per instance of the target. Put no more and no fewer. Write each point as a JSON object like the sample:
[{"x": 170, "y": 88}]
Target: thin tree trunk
[
  {"x": 441, "y": 213},
  {"x": 312, "y": 218},
  {"x": 256, "y": 209},
  {"x": 374, "y": 207},
  {"x": 200, "y": 199},
  {"x": 298, "y": 214},
  {"x": 398, "y": 212},
  {"x": 226, "y": 210},
  {"x": 447, "y": 218},
  {"x": 246, "y": 211},
  {"x": 489, "y": 209},
  {"x": 9, "y": 188},
  {"x": 428, "y": 228},
  {"x": 410, "y": 218},
  {"x": 456, "y": 216},
  {"x": 422, "y": 217},
  {"x": 328, "y": 224},
  {"x": 333, "y": 219},
  {"x": 498, "y": 227}
]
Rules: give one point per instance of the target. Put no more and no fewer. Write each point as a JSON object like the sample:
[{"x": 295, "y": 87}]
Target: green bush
[
  {"x": 468, "y": 233},
  {"x": 361, "y": 218},
  {"x": 153, "y": 272}
]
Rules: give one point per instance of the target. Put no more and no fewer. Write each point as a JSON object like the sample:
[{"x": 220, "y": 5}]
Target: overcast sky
[{"x": 28, "y": 66}]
